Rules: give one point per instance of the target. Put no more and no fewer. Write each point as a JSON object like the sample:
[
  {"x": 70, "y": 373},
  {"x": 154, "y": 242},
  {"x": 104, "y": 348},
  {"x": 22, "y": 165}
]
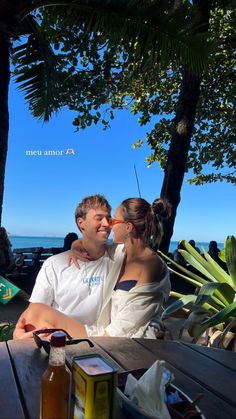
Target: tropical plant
[
  {"x": 120, "y": 66},
  {"x": 214, "y": 303},
  {"x": 35, "y": 56},
  {"x": 115, "y": 52},
  {"x": 33, "y": 24},
  {"x": 6, "y": 331}
]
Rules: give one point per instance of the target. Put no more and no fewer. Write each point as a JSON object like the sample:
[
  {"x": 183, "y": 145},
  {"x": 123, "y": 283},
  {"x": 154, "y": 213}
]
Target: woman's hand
[{"x": 78, "y": 252}]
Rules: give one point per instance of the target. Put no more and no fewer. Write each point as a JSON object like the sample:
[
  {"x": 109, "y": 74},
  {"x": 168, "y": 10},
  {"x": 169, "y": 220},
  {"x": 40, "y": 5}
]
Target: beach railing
[{"x": 28, "y": 262}]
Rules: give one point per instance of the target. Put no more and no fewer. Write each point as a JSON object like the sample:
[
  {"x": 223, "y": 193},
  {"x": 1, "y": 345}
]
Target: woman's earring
[{"x": 128, "y": 228}]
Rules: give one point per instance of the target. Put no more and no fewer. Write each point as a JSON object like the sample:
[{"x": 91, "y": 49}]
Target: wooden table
[{"x": 197, "y": 370}]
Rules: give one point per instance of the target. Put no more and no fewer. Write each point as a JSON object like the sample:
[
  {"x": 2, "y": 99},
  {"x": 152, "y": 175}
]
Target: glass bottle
[{"x": 56, "y": 382}]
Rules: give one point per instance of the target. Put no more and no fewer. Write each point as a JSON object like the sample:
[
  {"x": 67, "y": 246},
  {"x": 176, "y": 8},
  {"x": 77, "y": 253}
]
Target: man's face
[{"x": 96, "y": 225}]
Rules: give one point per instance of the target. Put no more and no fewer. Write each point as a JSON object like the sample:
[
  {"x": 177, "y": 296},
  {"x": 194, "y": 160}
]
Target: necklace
[{"x": 93, "y": 279}]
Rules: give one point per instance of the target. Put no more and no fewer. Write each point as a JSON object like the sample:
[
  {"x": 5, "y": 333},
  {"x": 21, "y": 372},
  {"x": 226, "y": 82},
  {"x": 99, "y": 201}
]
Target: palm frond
[
  {"x": 148, "y": 33},
  {"x": 35, "y": 72}
]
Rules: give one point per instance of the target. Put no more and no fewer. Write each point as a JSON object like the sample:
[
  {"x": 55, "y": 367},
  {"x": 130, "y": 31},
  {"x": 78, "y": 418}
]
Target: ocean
[
  {"x": 19, "y": 242},
  {"x": 32, "y": 241}
]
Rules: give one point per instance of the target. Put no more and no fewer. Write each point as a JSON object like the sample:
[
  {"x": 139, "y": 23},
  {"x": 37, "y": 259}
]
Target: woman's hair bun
[{"x": 161, "y": 207}]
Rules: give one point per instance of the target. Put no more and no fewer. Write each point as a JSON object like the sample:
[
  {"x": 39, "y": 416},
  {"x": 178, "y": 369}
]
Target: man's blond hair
[{"x": 89, "y": 202}]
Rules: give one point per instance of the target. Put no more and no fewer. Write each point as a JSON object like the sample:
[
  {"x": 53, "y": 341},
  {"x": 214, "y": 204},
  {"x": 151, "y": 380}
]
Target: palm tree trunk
[
  {"x": 4, "y": 113},
  {"x": 179, "y": 148},
  {"x": 183, "y": 125}
]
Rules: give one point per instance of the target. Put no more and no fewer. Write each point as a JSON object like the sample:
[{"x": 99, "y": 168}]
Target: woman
[{"x": 142, "y": 286}]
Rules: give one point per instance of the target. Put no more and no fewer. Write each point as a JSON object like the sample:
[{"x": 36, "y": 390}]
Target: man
[
  {"x": 193, "y": 244},
  {"x": 85, "y": 294},
  {"x": 79, "y": 293}
]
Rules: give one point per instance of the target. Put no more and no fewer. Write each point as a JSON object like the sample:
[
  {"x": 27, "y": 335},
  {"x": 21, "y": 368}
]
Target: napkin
[{"x": 148, "y": 393}]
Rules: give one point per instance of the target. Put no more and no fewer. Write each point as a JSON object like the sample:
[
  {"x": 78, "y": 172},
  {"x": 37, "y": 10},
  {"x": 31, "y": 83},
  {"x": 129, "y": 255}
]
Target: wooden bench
[{"x": 28, "y": 264}]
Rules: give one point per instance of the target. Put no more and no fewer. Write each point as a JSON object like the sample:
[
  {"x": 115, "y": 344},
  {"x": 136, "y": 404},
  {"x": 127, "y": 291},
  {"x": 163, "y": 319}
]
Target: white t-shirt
[{"x": 75, "y": 292}]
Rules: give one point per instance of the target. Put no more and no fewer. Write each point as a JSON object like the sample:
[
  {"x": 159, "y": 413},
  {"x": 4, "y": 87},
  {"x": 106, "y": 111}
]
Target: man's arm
[
  {"x": 43, "y": 292},
  {"x": 34, "y": 317},
  {"x": 41, "y": 316}
]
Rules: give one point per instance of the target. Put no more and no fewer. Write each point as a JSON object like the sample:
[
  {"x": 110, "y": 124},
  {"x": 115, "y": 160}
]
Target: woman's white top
[{"x": 130, "y": 312}]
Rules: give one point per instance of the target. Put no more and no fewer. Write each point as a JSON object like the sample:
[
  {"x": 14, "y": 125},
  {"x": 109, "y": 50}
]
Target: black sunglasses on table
[{"x": 46, "y": 343}]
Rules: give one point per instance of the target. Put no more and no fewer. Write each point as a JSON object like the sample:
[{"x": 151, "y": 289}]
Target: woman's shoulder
[
  {"x": 153, "y": 257},
  {"x": 157, "y": 262},
  {"x": 154, "y": 268}
]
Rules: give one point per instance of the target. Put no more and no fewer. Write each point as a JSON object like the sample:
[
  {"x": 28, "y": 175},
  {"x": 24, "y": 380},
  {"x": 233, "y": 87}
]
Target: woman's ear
[{"x": 129, "y": 227}]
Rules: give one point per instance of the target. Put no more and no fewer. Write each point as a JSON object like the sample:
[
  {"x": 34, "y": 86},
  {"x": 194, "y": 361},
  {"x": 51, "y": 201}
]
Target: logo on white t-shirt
[{"x": 93, "y": 280}]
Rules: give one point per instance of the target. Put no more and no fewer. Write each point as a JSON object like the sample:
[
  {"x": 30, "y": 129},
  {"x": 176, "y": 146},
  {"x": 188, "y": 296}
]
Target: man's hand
[{"x": 23, "y": 330}]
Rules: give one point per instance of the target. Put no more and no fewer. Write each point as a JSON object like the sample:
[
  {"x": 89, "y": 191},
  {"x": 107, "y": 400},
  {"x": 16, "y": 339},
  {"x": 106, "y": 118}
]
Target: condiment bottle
[{"x": 56, "y": 382}]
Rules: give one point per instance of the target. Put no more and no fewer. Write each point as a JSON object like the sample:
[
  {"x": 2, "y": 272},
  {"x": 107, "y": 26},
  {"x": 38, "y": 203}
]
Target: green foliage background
[{"x": 102, "y": 66}]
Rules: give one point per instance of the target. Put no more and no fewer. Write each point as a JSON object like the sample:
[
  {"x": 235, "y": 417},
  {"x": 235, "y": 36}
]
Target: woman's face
[{"x": 119, "y": 227}]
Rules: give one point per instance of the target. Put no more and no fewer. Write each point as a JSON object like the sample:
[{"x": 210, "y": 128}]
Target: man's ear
[{"x": 80, "y": 223}]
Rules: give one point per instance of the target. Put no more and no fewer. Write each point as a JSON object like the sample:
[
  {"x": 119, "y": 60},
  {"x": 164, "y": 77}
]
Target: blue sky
[{"x": 42, "y": 191}]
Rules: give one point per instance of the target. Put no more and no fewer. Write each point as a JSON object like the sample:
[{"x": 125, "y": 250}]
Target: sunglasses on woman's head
[{"x": 46, "y": 343}]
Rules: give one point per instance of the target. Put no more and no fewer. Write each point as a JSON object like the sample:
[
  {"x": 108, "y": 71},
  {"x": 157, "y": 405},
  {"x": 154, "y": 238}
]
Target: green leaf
[
  {"x": 36, "y": 73},
  {"x": 205, "y": 264},
  {"x": 176, "y": 294},
  {"x": 196, "y": 277},
  {"x": 222, "y": 316},
  {"x": 6, "y": 331},
  {"x": 190, "y": 280},
  {"x": 216, "y": 269},
  {"x": 182, "y": 302},
  {"x": 230, "y": 257},
  {"x": 206, "y": 292},
  {"x": 194, "y": 323},
  {"x": 198, "y": 263},
  {"x": 222, "y": 255}
]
